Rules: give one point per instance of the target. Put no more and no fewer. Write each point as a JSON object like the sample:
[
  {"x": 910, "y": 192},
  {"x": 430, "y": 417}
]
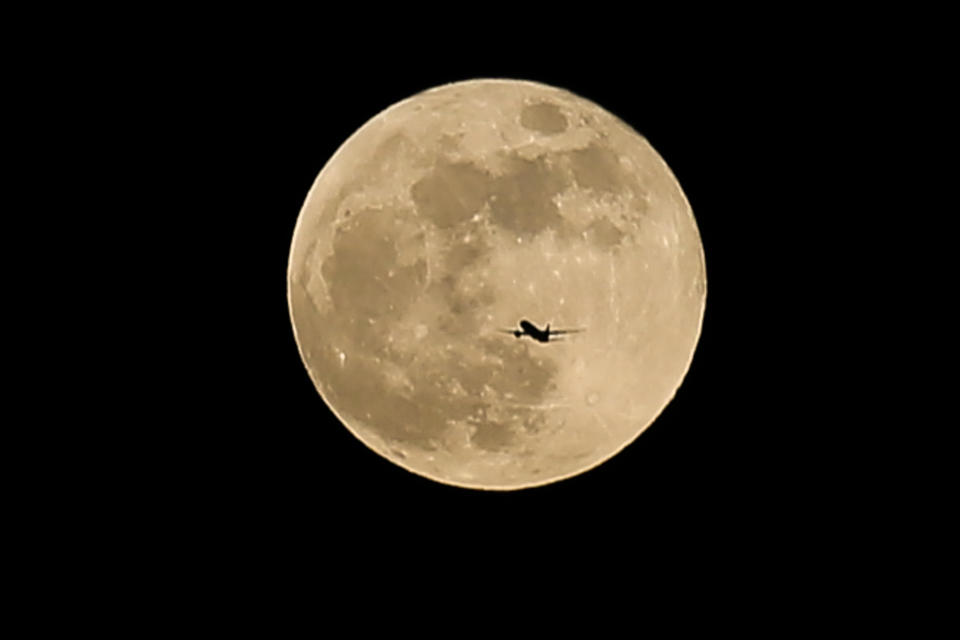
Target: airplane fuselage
[
  {"x": 527, "y": 328},
  {"x": 530, "y": 330}
]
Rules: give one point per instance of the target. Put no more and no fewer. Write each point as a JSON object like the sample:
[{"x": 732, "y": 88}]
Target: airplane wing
[{"x": 560, "y": 332}]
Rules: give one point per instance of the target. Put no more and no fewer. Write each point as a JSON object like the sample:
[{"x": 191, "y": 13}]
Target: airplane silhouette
[{"x": 527, "y": 328}]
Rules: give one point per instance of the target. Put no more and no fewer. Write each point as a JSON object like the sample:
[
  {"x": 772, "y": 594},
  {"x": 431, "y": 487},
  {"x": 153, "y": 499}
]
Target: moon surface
[{"x": 460, "y": 211}]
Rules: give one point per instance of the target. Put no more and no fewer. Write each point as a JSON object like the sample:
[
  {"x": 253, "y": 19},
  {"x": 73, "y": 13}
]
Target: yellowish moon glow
[{"x": 456, "y": 213}]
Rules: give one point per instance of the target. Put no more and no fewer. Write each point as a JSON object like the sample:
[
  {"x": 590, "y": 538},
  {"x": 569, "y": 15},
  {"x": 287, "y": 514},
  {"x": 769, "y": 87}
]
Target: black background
[
  {"x": 738, "y": 457},
  {"x": 202, "y": 464}
]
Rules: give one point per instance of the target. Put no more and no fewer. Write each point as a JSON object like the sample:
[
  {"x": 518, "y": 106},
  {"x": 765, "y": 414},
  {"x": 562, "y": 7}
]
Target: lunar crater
[{"x": 544, "y": 117}]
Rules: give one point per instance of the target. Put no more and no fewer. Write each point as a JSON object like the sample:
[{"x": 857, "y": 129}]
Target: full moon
[{"x": 447, "y": 219}]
